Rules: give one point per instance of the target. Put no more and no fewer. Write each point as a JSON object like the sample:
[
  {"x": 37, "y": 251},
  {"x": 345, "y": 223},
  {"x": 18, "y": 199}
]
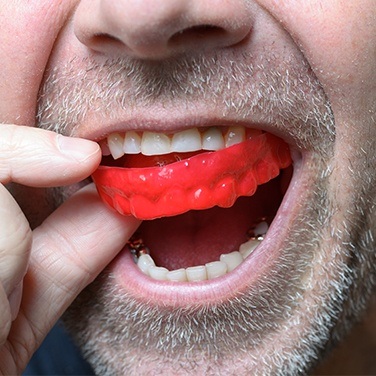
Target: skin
[{"x": 330, "y": 42}]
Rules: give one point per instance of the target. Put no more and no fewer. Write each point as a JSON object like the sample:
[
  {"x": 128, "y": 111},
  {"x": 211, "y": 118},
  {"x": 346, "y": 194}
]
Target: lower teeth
[{"x": 227, "y": 262}]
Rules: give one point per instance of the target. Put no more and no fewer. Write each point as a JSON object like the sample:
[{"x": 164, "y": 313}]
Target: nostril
[
  {"x": 169, "y": 28},
  {"x": 195, "y": 34},
  {"x": 100, "y": 39}
]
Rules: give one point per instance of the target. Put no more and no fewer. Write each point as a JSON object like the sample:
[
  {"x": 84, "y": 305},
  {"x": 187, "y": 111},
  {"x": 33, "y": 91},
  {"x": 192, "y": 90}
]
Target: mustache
[{"x": 279, "y": 91}]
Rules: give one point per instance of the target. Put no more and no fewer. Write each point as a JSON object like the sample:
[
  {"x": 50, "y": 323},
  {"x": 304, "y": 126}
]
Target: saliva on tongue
[{"x": 192, "y": 203}]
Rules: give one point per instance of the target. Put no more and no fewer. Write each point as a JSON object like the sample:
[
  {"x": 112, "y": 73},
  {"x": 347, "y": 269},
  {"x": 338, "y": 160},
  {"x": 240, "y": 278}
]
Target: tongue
[{"x": 198, "y": 237}]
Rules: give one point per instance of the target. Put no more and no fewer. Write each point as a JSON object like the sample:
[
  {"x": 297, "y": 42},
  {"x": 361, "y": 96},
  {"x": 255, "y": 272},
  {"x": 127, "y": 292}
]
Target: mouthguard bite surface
[{"x": 199, "y": 182}]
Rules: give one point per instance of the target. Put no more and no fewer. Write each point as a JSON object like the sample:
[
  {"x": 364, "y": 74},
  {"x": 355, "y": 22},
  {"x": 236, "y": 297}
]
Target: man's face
[{"x": 299, "y": 70}]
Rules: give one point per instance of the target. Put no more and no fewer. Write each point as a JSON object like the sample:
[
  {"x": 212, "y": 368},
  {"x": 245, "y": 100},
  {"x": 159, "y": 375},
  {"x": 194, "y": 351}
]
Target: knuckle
[
  {"x": 15, "y": 240},
  {"x": 21, "y": 346},
  {"x": 16, "y": 235},
  {"x": 24, "y": 150},
  {"x": 12, "y": 149},
  {"x": 7, "y": 148}
]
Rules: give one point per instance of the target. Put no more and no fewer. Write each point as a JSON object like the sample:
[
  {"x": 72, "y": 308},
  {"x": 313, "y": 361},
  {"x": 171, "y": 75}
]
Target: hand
[{"x": 42, "y": 271}]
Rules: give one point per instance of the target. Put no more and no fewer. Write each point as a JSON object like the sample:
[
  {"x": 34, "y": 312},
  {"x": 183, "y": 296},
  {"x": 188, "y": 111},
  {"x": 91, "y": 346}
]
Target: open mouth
[{"x": 207, "y": 197}]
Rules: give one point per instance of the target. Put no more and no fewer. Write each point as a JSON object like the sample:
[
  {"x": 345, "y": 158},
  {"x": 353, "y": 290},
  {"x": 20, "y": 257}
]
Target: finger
[
  {"x": 36, "y": 157},
  {"x": 69, "y": 250},
  {"x": 15, "y": 242},
  {"x": 5, "y": 316},
  {"x": 14, "y": 300}
]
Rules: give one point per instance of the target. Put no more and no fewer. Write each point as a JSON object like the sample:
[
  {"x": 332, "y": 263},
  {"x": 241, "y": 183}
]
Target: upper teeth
[{"x": 153, "y": 143}]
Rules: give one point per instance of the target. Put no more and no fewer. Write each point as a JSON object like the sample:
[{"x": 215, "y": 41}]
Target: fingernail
[{"x": 77, "y": 148}]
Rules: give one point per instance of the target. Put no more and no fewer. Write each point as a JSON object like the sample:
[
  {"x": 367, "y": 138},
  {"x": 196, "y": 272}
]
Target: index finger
[
  {"x": 69, "y": 250},
  {"x": 40, "y": 158}
]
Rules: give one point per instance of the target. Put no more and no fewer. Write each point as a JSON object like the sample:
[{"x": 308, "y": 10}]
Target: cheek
[
  {"x": 337, "y": 38},
  {"x": 28, "y": 32}
]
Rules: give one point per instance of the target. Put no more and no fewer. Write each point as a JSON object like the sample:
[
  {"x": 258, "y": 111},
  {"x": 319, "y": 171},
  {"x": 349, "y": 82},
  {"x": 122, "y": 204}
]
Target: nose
[{"x": 156, "y": 29}]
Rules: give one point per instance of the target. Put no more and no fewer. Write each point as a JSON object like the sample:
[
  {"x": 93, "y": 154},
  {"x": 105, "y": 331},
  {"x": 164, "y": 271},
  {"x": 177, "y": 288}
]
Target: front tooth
[
  {"x": 158, "y": 272},
  {"x": 145, "y": 262},
  {"x": 185, "y": 141},
  {"x": 153, "y": 143},
  {"x": 234, "y": 135},
  {"x": 247, "y": 248},
  {"x": 212, "y": 139},
  {"x": 196, "y": 273},
  {"x": 132, "y": 143},
  {"x": 179, "y": 275},
  {"x": 216, "y": 269},
  {"x": 115, "y": 144},
  {"x": 232, "y": 260}
]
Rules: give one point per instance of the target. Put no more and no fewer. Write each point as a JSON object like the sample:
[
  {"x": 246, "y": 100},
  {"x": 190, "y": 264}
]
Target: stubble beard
[{"x": 120, "y": 335}]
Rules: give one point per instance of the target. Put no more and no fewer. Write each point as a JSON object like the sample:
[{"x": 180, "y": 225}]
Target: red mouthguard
[{"x": 199, "y": 182}]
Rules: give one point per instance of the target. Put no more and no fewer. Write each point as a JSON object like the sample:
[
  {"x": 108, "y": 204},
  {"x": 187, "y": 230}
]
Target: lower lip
[{"x": 258, "y": 264}]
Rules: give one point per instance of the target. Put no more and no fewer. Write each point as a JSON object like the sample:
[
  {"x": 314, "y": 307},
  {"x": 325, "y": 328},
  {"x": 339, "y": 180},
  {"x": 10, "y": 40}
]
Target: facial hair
[{"x": 293, "y": 307}]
